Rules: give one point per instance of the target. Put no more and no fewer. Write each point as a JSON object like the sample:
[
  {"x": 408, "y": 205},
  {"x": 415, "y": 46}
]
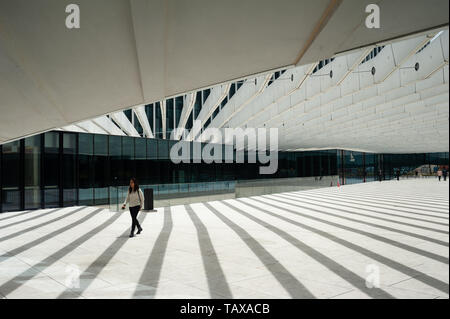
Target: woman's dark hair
[{"x": 136, "y": 185}]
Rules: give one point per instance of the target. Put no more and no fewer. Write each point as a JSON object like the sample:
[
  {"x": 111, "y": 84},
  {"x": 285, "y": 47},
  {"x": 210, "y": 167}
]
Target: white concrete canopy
[
  {"x": 134, "y": 52},
  {"x": 397, "y": 110}
]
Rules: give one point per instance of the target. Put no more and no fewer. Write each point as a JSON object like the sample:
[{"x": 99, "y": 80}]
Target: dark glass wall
[
  {"x": 407, "y": 163},
  {"x": 58, "y": 169},
  {"x": 158, "y": 129},
  {"x": 101, "y": 170},
  {"x": 115, "y": 159},
  {"x": 51, "y": 171},
  {"x": 11, "y": 175},
  {"x": 354, "y": 169},
  {"x": 69, "y": 169},
  {"x": 32, "y": 169},
  {"x": 178, "y": 109},
  {"x": 86, "y": 168},
  {"x": 169, "y": 117}
]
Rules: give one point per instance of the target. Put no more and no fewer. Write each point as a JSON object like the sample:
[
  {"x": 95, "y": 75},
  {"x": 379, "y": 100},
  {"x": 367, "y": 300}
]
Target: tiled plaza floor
[{"x": 373, "y": 240}]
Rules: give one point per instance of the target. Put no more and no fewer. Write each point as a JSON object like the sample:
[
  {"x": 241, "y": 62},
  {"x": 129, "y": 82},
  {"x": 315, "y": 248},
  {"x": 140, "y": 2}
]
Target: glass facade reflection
[
  {"x": 32, "y": 176},
  {"x": 51, "y": 171},
  {"x": 11, "y": 175},
  {"x": 357, "y": 167},
  {"x": 57, "y": 169}
]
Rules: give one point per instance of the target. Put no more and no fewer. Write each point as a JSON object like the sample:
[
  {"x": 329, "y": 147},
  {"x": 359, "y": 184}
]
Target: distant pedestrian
[
  {"x": 136, "y": 199},
  {"x": 416, "y": 172},
  {"x": 397, "y": 173},
  {"x": 444, "y": 173},
  {"x": 439, "y": 174},
  {"x": 380, "y": 175}
]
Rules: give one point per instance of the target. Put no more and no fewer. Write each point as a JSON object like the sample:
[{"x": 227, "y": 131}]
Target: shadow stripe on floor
[
  {"x": 153, "y": 267},
  {"x": 346, "y": 274},
  {"x": 416, "y": 250},
  {"x": 295, "y": 288},
  {"x": 338, "y": 200},
  {"x": 315, "y": 203},
  {"x": 51, "y": 235},
  {"x": 94, "y": 269},
  {"x": 213, "y": 269},
  {"x": 40, "y": 225},
  {"x": 16, "y": 282},
  {"x": 436, "y": 241},
  {"x": 428, "y": 280}
]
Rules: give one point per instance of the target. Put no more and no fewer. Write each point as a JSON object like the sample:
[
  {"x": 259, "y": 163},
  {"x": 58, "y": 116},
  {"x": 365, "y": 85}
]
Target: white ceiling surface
[
  {"x": 134, "y": 52},
  {"x": 398, "y": 110}
]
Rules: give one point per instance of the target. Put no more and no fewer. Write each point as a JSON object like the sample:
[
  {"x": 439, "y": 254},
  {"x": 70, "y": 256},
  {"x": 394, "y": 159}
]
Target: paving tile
[{"x": 249, "y": 251}]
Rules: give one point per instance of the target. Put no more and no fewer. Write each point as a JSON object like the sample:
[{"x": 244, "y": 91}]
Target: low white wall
[{"x": 281, "y": 185}]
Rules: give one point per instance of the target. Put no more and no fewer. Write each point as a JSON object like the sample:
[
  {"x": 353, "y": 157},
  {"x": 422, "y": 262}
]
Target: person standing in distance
[{"x": 136, "y": 199}]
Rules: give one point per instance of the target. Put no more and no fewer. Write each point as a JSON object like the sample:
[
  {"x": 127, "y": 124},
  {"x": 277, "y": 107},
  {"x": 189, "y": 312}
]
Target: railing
[{"x": 165, "y": 191}]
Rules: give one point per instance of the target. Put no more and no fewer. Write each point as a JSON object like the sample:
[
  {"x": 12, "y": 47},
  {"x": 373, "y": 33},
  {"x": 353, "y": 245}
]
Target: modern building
[
  {"x": 346, "y": 116},
  {"x": 59, "y": 169},
  {"x": 294, "y": 148}
]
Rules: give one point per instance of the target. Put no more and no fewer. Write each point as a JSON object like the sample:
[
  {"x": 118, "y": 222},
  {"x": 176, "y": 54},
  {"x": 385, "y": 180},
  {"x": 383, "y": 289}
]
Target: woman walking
[
  {"x": 136, "y": 199},
  {"x": 439, "y": 173}
]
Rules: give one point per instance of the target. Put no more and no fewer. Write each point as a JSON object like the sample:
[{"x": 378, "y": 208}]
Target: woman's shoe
[
  {"x": 131, "y": 235},
  {"x": 139, "y": 231}
]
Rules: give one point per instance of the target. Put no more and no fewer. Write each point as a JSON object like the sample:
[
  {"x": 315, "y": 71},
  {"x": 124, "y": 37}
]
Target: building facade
[{"x": 57, "y": 169}]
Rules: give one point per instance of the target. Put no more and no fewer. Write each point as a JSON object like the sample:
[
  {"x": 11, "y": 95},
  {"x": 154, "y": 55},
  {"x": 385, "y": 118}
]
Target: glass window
[
  {"x": 198, "y": 104},
  {"x": 152, "y": 163},
  {"x": 51, "y": 169},
  {"x": 232, "y": 90},
  {"x": 137, "y": 125},
  {"x": 353, "y": 167},
  {"x": 216, "y": 111},
  {"x": 86, "y": 145},
  {"x": 169, "y": 117},
  {"x": 158, "y": 121},
  {"x": 178, "y": 109},
  {"x": 141, "y": 148},
  {"x": 128, "y": 159},
  {"x": 190, "y": 121},
  {"x": 224, "y": 102},
  {"x": 115, "y": 155},
  {"x": 370, "y": 167},
  {"x": 149, "y": 112},
  {"x": 32, "y": 172},
  {"x": 308, "y": 164},
  {"x": 86, "y": 169},
  {"x": 205, "y": 95},
  {"x": 128, "y": 114},
  {"x": 101, "y": 170},
  {"x": 70, "y": 193},
  {"x": 163, "y": 149},
  {"x": 11, "y": 176},
  {"x": 208, "y": 121},
  {"x": 300, "y": 165},
  {"x": 141, "y": 161},
  {"x": 152, "y": 149}
]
